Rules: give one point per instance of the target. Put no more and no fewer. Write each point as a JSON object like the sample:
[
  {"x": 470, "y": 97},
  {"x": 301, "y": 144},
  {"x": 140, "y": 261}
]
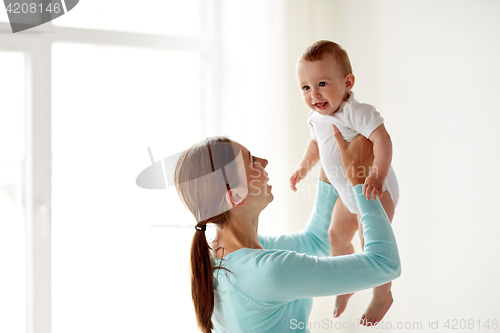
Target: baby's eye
[
  {"x": 305, "y": 88},
  {"x": 322, "y": 84}
]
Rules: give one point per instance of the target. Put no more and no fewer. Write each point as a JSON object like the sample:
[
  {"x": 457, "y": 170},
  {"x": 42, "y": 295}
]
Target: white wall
[
  {"x": 431, "y": 68},
  {"x": 252, "y": 92}
]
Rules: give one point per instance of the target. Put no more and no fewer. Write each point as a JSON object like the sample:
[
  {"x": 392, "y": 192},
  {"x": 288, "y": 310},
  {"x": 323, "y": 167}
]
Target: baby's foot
[
  {"x": 377, "y": 309},
  {"x": 340, "y": 304}
]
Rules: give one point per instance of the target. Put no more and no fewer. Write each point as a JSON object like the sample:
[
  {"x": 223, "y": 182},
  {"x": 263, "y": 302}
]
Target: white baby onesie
[{"x": 352, "y": 118}]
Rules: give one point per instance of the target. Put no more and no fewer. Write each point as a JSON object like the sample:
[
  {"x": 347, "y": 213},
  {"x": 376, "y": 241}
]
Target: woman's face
[{"x": 259, "y": 191}]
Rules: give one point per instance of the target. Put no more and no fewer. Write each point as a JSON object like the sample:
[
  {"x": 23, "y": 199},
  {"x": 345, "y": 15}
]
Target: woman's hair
[
  {"x": 323, "y": 48},
  {"x": 206, "y": 200}
]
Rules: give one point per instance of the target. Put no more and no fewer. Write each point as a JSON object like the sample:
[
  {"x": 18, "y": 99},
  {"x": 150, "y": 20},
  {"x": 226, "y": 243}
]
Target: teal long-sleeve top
[{"x": 271, "y": 289}]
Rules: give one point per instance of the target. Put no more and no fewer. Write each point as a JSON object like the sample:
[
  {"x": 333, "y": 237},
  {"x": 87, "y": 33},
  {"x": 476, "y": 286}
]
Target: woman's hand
[{"x": 357, "y": 156}]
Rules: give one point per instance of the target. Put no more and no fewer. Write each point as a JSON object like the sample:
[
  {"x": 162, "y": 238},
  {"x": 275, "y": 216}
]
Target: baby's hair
[{"x": 322, "y": 48}]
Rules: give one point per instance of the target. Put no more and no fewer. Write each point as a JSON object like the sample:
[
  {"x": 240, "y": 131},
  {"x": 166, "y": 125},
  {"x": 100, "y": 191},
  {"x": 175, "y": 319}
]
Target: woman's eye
[
  {"x": 322, "y": 84},
  {"x": 253, "y": 160}
]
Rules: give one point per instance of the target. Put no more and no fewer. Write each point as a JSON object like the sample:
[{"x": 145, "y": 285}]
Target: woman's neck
[{"x": 238, "y": 233}]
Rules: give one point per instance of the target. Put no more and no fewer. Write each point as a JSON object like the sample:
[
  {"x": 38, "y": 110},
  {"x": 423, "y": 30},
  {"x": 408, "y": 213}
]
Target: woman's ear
[{"x": 234, "y": 198}]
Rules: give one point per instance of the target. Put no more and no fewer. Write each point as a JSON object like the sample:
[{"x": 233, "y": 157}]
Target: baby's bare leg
[
  {"x": 341, "y": 231},
  {"x": 382, "y": 296}
]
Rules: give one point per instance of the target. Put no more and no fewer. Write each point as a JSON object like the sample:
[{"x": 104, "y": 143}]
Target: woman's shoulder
[
  {"x": 264, "y": 275},
  {"x": 253, "y": 254},
  {"x": 262, "y": 260},
  {"x": 265, "y": 263},
  {"x": 253, "y": 268}
]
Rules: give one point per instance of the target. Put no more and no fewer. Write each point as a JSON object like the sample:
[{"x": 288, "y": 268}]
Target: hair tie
[{"x": 203, "y": 227}]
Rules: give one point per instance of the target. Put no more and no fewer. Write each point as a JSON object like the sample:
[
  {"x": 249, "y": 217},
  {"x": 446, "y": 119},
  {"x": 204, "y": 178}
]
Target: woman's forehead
[{"x": 244, "y": 151}]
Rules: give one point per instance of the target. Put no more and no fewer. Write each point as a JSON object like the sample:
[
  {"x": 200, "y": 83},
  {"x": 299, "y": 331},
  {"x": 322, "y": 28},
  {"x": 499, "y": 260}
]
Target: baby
[{"x": 325, "y": 78}]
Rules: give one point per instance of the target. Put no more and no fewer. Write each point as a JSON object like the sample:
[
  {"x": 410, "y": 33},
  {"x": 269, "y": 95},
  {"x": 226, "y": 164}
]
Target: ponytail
[
  {"x": 202, "y": 284},
  {"x": 205, "y": 199}
]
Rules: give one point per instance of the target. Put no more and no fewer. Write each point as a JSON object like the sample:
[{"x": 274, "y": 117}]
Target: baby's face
[{"x": 323, "y": 87}]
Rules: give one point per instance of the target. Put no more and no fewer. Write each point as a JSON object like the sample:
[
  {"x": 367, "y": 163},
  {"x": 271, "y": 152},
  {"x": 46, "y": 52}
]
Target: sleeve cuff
[
  {"x": 326, "y": 196},
  {"x": 325, "y": 188},
  {"x": 366, "y": 206}
]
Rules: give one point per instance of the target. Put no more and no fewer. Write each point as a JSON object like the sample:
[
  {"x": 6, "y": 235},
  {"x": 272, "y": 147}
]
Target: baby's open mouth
[{"x": 321, "y": 106}]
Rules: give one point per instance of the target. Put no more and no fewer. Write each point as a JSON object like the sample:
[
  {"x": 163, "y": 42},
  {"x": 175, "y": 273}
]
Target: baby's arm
[
  {"x": 382, "y": 151},
  {"x": 310, "y": 158}
]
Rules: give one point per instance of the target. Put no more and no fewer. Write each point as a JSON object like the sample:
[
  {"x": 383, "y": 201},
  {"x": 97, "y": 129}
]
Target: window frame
[{"x": 36, "y": 45}]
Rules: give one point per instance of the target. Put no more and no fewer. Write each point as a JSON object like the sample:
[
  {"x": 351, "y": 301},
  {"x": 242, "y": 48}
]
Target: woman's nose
[{"x": 263, "y": 162}]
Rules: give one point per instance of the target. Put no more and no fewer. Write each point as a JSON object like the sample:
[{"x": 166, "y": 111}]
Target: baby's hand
[
  {"x": 373, "y": 185},
  {"x": 297, "y": 176}
]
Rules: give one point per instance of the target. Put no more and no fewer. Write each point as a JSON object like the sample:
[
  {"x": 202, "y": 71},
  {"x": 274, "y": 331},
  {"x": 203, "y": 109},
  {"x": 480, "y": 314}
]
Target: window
[
  {"x": 3, "y": 16},
  {"x": 101, "y": 86},
  {"x": 12, "y": 217},
  {"x": 167, "y": 17},
  {"x": 108, "y": 263}
]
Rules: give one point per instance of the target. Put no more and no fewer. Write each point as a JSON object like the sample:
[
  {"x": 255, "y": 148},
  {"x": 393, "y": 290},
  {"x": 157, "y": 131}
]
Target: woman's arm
[
  {"x": 289, "y": 275},
  {"x": 313, "y": 239}
]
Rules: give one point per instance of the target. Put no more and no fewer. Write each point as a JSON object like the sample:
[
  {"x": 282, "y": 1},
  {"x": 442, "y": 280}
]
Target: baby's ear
[
  {"x": 234, "y": 198},
  {"x": 349, "y": 81}
]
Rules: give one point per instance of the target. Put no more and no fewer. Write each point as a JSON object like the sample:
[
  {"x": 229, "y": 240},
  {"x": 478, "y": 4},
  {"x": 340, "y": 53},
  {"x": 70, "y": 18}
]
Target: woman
[{"x": 246, "y": 282}]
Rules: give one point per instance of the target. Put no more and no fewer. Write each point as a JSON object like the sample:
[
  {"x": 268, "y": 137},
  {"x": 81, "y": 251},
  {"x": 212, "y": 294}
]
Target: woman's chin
[{"x": 270, "y": 193}]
